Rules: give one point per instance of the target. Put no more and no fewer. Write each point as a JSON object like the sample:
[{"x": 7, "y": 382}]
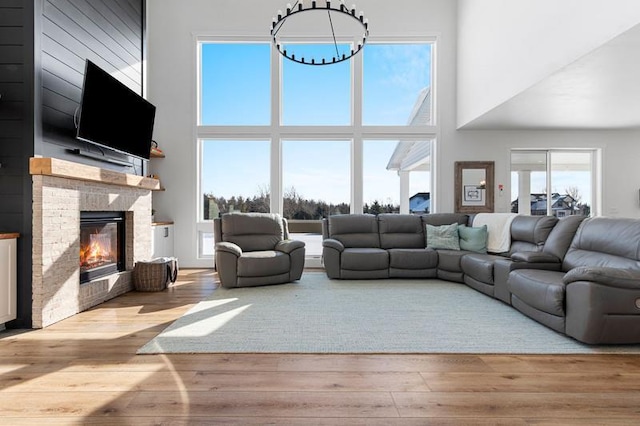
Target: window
[
  {"x": 235, "y": 84},
  {"x": 397, "y": 176},
  {"x": 234, "y": 176},
  {"x": 381, "y": 185},
  {"x": 335, "y": 139},
  {"x": 315, "y": 178},
  {"x": 397, "y": 84},
  {"x": 316, "y": 95},
  {"x": 553, "y": 182}
]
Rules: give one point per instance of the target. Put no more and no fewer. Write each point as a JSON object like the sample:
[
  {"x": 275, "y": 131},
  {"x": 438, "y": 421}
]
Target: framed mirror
[{"x": 474, "y": 184}]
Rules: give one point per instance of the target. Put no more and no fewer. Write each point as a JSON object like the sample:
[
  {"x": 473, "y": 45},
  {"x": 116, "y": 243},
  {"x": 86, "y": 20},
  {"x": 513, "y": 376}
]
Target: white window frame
[
  {"x": 276, "y": 132},
  {"x": 596, "y": 173}
]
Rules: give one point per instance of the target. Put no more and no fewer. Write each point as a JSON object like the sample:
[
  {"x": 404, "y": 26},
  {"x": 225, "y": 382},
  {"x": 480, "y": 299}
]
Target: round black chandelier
[{"x": 320, "y": 7}]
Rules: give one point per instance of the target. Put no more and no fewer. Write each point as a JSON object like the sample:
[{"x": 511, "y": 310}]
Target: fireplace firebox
[{"x": 102, "y": 244}]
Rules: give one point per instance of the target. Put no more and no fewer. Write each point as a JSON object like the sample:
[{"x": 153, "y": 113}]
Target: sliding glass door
[{"x": 553, "y": 182}]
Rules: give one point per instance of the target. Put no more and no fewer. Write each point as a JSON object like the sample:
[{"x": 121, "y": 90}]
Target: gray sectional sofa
[{"x": 579, "y": 276}]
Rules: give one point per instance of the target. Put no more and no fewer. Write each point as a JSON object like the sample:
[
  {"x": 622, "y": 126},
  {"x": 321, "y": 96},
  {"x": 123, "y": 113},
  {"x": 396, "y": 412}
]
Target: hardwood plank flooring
[{"x": 84, "y": 370}]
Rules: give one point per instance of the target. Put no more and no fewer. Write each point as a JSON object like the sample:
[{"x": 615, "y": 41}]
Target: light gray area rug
[{"x": 318, "y": 315}]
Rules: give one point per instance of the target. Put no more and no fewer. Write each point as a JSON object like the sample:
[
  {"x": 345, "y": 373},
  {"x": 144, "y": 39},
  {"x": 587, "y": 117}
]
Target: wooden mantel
[{"x": 71, "y": 170}]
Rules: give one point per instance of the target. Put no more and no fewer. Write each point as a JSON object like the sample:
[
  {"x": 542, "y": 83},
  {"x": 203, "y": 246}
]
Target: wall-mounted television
[{"x": 113, "y": 116}]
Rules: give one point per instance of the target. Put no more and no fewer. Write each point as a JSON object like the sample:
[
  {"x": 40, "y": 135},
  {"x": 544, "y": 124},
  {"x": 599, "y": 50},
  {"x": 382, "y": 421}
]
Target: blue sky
[{"x": 236, "y": 91}]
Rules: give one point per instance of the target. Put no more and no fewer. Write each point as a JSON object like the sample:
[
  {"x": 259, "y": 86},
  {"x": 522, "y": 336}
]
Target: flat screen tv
[{"x": 114, "y": 116}]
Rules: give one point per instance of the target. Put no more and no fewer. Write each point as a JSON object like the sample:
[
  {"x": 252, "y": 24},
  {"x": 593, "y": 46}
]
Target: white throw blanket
[{"x": 498, "y": 230}]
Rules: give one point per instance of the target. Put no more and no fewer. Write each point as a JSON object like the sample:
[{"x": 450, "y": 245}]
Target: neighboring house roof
[
  {"x": 421, "y": 111},
  {"x": 420, "y": 202},
  {"x": 558, "y": 202},
  {"x": 414, "y": 155}
]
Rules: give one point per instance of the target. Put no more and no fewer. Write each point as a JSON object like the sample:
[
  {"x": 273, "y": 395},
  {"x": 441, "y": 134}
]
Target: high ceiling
[{"x": 601, "y": 90}]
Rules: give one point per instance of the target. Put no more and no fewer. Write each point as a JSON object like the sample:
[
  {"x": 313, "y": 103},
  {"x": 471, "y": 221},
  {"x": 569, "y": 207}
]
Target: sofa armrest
[
  {"x": 287, "y": 246},
  {"x": 534, "y": 257},
  {"x": 334, "y": 244},
  {"x": 229, "y": 248},
  {"x": 614, "y": 277}
]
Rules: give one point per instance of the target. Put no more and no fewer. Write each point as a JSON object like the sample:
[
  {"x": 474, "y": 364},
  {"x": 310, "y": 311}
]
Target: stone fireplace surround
[{"x": 61, "y": 190}]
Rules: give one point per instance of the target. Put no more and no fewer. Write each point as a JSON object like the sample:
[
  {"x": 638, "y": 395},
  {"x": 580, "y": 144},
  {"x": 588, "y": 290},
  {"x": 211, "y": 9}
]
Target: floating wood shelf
[
  {"x": 162, "y": 222},
  {"x": 9, "y": 236},
  {"x": 70, "y": 170}
]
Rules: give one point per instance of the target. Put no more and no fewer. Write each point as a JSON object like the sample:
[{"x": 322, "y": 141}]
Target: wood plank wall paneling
[
  {"x": 16, "y": 138},
  {"x": 107, "y": 33},
  {"x": 15, "y": 108},
  {"x": 10, "y": 15}
]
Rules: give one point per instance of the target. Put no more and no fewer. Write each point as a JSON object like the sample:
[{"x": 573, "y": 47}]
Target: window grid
[{"x": 356, "y": 133}]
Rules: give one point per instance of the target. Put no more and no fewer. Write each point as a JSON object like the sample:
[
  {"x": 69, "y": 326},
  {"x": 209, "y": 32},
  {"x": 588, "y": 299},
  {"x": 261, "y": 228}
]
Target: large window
[
  {"x": 310, "y": 141},
  {"x": 553, "y": 182}
]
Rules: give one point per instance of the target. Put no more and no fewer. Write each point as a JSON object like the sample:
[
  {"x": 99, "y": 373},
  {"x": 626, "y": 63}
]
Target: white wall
[
  {"x": 620, "y": 155},
  {"x": 173, "y": 25},
  {"x": 507, "y": 46}
]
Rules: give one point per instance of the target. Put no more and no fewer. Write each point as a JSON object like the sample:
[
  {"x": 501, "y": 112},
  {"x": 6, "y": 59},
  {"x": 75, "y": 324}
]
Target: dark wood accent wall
[
  {"x": 43, "y": 47},
  {"x": 17, "y": 129},
  {"x": 110, "y": 34}
]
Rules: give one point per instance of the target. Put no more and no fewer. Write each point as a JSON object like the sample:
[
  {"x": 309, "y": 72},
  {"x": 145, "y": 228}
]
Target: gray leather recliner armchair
[{"x": 254, "y": 249}]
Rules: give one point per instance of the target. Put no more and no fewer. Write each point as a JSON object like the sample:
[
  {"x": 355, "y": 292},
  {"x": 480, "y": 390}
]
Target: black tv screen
[{"x": 114, "y": 116}]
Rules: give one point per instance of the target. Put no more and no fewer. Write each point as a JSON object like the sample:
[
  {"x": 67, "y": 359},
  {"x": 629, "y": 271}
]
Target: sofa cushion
[
  {"x": 437, "y": 219},
  {"x": 605, "y": 241},
  {"x": 252, "y": 231},
  {"x": 561, "y": 236},
  {"x": 364, "y": 259},
  {"x": 443, "y": 237},
  {"x": 529, "y": 233},
  {"x": 355, "y": 230},
  {"x": 263, "y": 263},
  {"x": 400, "y": 231},
  {"x": 473, "y": 238},
  {"x": 540, "y": 289},
  {"x": 479, "y": 266},
  {"x": 449, "y": 260},
  {"x": 413, "y": 258}
]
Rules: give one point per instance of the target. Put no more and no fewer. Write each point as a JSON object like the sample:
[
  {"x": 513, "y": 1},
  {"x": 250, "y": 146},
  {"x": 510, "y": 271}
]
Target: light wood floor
[{"x": 84, "y": 370}]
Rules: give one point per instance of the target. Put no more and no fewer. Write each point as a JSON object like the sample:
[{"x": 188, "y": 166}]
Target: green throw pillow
[
  {"x": 443, "y": 237},
  {"x": 473, "y": 239}
]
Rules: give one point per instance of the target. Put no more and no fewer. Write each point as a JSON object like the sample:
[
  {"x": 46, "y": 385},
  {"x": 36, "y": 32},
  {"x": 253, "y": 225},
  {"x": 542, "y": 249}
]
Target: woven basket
[{"x": 151, "y": 276}]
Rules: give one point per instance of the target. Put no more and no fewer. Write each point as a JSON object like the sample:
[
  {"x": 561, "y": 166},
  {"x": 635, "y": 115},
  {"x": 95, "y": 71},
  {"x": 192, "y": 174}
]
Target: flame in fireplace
[{"x": 96, "y": 252}]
